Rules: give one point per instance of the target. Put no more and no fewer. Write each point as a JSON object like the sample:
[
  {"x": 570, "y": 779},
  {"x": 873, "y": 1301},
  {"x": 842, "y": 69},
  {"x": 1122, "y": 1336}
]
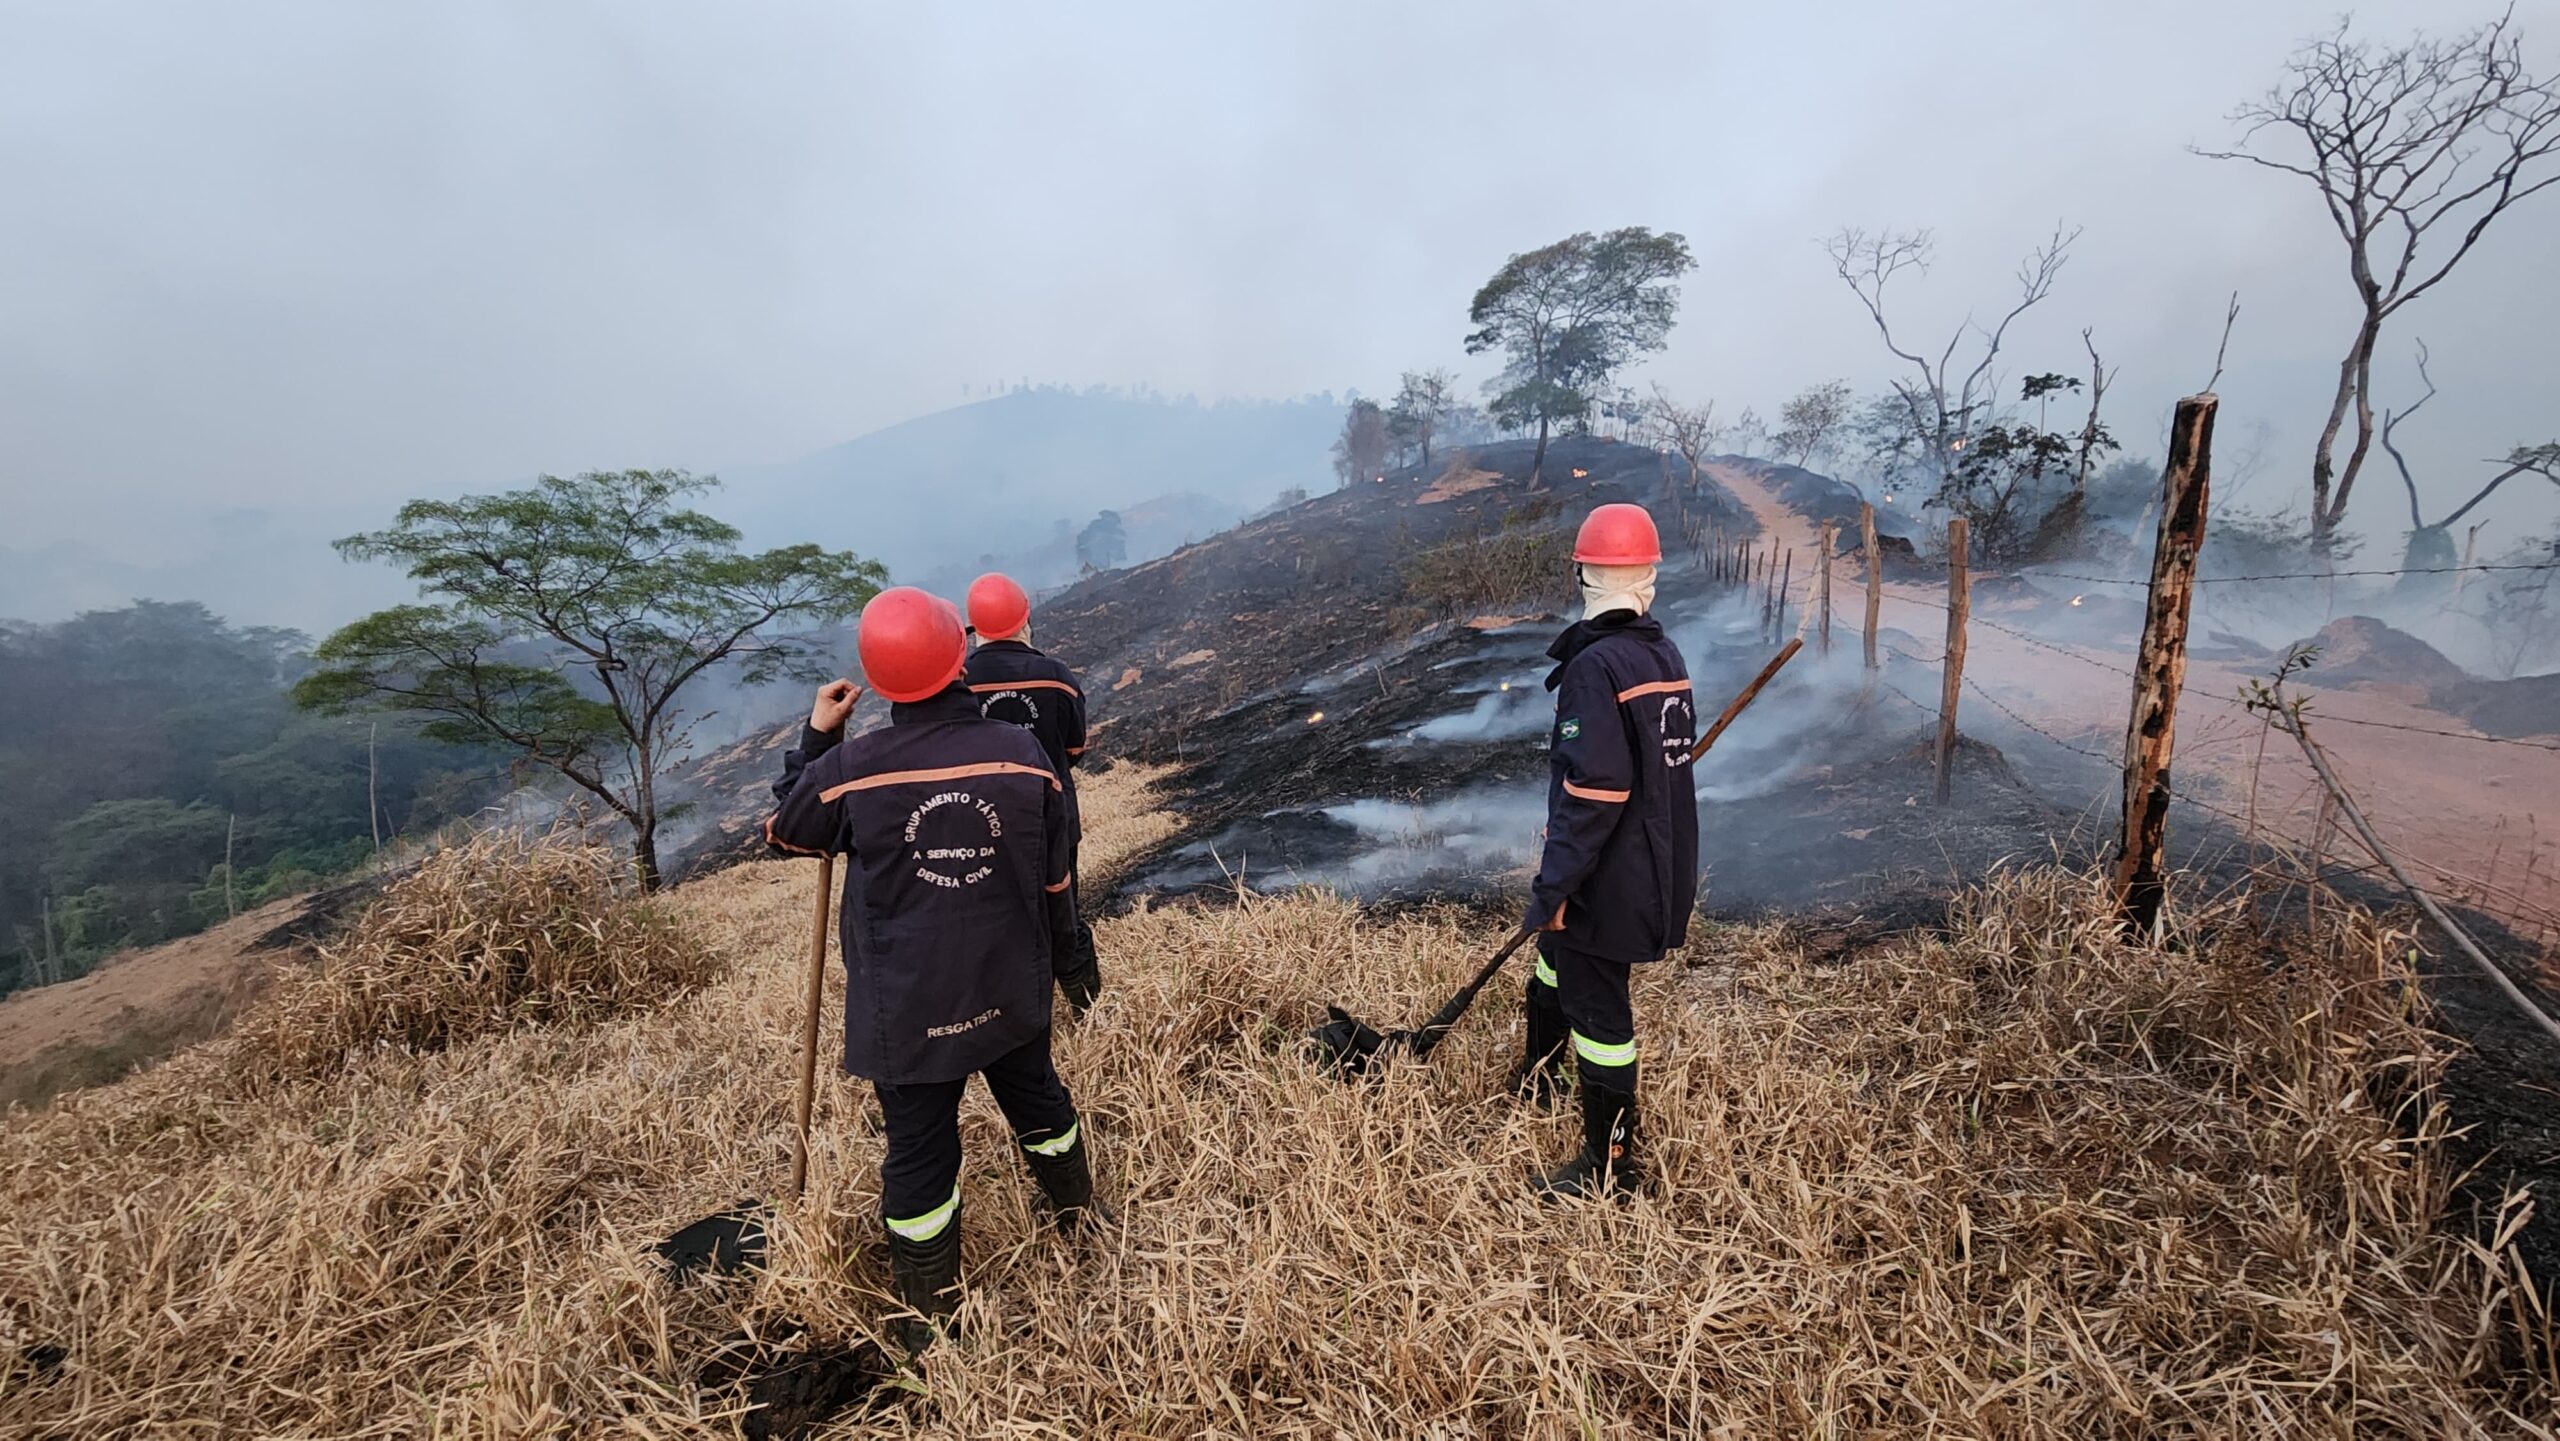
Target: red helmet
[
  {"x": 998, "y": 608},
  {"x": 1618, "y": 534},
  {"x": 910, "y": 643}
]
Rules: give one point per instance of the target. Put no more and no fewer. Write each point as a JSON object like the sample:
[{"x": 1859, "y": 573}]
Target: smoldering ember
[{"x": 1844, "y": 726}]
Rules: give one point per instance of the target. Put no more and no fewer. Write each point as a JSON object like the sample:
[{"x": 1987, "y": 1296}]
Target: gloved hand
[{"x": 1080, "y": 978}]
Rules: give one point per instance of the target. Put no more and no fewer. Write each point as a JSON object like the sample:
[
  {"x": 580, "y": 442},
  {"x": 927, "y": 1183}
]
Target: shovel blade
[
  {"x": 723, "y": 1244},
  {"x": 1345, "y": 1045}
]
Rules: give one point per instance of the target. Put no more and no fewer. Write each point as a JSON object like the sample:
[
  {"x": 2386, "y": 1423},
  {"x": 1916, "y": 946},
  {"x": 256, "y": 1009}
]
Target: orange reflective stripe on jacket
[
  {"x": 1658, "y": 687},
  {"x": 946, "y": 773},
  {"x": 1593, "y": 793}
]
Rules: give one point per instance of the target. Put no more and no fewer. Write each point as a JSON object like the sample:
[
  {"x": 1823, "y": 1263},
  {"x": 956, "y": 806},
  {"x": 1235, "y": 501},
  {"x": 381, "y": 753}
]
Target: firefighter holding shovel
[
  {"x": 956, "y": 910},
  {"x": 1617, "y": 876}
]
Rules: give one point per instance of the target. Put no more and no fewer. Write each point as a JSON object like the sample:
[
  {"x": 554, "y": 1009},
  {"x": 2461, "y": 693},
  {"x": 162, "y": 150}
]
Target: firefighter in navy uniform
[
  {"x": 1013, "y": 682},
  {"x": 1617, "y": 877},
  {"x": 955, "y": 833}
]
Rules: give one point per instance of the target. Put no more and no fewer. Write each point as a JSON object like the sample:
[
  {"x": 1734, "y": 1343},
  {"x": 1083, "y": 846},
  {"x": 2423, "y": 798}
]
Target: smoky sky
[{"x": 309, "y": 260}]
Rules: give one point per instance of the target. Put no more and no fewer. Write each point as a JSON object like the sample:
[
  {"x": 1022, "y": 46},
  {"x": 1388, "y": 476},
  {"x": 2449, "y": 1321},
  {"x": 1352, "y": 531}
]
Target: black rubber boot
[
  {"x": 1066, "y": 1183},
  {"x": 1538, "y": 1079},
  {"x": 1606, "y": 1165},
  {"x": 927, "y": 1274},
  {"x": 1080, "y": 980}
]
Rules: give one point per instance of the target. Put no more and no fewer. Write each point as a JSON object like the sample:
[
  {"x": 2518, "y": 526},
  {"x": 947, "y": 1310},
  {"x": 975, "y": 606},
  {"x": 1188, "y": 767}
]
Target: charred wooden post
[
  {"x": 2141, "y": 869},
  {"x": 1875, "y": 584},
  {"x": 1959, "y": 604},
  {"x": 1786, "y": 580},
  {"x": 1822, "y": 587}
]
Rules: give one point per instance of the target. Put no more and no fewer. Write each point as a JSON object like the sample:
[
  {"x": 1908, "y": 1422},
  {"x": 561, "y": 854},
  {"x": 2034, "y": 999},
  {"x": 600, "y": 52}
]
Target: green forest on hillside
[{"x": 135, "y": 744}]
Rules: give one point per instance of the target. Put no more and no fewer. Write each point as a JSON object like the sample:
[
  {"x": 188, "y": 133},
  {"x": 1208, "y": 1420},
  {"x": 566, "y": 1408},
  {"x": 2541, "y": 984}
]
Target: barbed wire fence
[{"x": 1763, "y": 570}]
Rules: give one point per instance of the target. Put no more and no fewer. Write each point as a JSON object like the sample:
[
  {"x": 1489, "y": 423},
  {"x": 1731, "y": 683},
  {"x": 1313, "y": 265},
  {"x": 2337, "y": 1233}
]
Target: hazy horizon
[{"x": 279, "y": 267}]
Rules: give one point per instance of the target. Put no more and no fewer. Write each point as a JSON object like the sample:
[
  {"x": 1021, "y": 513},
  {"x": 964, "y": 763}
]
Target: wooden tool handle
[
  {"x": 1750, "y": 693},
  {"x": 809, "y": 1020}
]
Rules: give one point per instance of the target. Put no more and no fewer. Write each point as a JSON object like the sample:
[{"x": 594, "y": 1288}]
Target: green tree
[
  {"x": 1361, "y": 450},
  {"x": 1570, "y": 315},
  {"x": 1103, "y": 543},
  {"x": 2004, "y": 484},
  {"x": 1423, "y": 398},
  {"x": 1811, "y": 424},
  {"x": 607, "y": 576}
]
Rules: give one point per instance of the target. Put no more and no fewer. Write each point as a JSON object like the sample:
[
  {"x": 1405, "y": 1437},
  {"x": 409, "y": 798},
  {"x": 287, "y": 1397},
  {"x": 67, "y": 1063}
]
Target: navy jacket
[
  {"x": 1016, "y": 683},
  {"x": 1621, "y": 854},
  {"x": 954, "y": 830}
]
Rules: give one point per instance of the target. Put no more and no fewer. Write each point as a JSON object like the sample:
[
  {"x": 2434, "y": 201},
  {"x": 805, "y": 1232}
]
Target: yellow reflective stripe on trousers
[
  {"x": 930, "y": 1224},
  {"x": 1055, "y": 1145},
  {"x": 1546, "y": 973},
  {"x": 1601, "y": 1054}
]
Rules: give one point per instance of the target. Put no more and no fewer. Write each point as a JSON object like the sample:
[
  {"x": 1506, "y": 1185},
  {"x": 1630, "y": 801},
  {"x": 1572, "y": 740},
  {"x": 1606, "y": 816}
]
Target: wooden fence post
[
  {"x": 2141, "y": 870},
  {"x": 1959, "y": 601},
  {"x": 230, "y": 903},
  {"x": 1786, "y": 579},
  {"x": 1822, "y": 586},
  {"x": 1875, "y": 584}
]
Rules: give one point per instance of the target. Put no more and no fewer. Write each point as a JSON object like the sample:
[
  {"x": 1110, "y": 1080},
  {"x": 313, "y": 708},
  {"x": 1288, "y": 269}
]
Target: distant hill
[
  {"x": 930, "y": 496},
  {"x": 999, "y": 478},
  {"x": 1150, "y": 529}
]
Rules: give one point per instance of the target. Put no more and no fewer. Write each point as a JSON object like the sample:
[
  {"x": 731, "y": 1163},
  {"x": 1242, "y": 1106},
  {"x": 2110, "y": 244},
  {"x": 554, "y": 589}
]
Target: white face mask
[{"x": 1616, "y": 587}]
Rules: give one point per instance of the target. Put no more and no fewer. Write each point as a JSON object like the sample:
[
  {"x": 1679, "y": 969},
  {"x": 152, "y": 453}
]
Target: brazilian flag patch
[{"x": 1569, "y": 729}]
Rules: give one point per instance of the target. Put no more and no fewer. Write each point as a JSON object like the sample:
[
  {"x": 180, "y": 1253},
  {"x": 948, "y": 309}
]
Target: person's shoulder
[
  {"x": 1060, "y": 670},
  {"x": 1665, "y": 653},
  {"x": 1005, "y": 741},
  {"x": 871, "y": 750},
  {"x": 1612, "y": 654},
  {"x": 1633, "y": 657}
]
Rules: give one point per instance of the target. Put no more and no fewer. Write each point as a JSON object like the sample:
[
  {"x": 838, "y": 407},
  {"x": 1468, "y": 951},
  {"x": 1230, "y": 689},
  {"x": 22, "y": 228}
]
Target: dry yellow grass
[
  {"x": 1121, "y": 818},
  {"x": 2027, "y": 1181},
  {"x": 500, "y": 931}
]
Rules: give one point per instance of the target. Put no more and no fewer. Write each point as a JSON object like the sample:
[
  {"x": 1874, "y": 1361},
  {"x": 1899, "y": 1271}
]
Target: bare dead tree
[
  {"x": 2392, "y": 421},
  {"x": 1945, "y": 406},
  {"x": 2415, "y": 149},
  {"x": 2542, "y": 460},
  {"x": 1688, "y": 429},
  {"x": 2229, "y": 317},
  {"x": 2093, "y": 436}
]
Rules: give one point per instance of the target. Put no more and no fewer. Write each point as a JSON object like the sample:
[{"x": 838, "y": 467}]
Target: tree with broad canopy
[
  {"x": 1569, "y": 316},
  {"x": 606, "y": 573}
]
